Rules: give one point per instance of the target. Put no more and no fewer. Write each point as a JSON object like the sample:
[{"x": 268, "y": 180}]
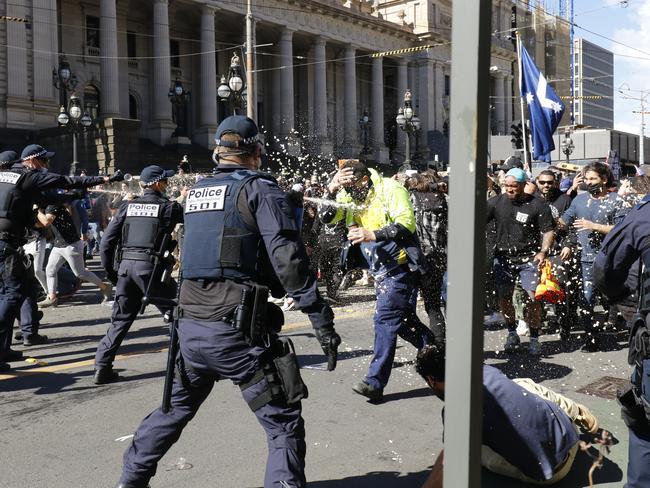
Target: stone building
[{"x": 314, "y": 75}]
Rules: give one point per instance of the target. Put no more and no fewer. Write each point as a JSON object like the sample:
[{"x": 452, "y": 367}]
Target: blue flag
[{"x": 544, "y": 106}]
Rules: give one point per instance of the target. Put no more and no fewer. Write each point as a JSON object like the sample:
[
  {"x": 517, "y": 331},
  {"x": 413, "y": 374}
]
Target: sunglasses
[{"x": 545, "y": 182}]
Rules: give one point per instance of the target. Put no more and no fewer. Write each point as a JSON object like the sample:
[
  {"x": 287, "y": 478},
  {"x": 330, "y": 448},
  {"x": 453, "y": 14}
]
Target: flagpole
[{"x": 521, "y": 103}]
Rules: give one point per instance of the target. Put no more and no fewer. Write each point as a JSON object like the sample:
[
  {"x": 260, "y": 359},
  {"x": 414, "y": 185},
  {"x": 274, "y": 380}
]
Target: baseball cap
[
  {"x": 510, "y": 163},
  {"x": 152, "y": 174},
  {"x": 35, "y": 151},
  {"x": 565, "y": 184},
  {"x": 7, "y": 158},
  {"x": 237, "y": 124},
  {"x": 518, "y": 174}
]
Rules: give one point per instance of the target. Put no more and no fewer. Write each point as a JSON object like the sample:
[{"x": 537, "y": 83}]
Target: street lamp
[
  {"x": 64, "y": 79},
  {"x": 233, "y": 88},
  {"x": 567, "y": 144},
  {"x": 364, "y": 125},
  {"x": 179, "y": 97},
  {"x": 409, "y": 122},
  {"x": 77, "y": 121}
]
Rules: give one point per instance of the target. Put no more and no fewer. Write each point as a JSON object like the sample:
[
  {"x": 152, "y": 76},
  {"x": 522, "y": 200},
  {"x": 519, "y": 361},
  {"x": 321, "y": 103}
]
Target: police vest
[
  {"x": 141, "y": 229},
  {"x": 14, "y": 210},
  {"x": 218, "y": 243}
]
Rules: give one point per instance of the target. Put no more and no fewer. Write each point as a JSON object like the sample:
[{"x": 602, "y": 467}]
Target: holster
[
  {"x": 288, "y": 371},
  {"x": 250, "y": 316}
]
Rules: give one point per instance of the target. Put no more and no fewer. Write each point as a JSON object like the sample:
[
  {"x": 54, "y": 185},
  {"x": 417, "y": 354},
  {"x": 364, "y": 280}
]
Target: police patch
[
  {"x": 206, "y": 199},
  {"x": 142, "y": 210},
  {"x": 521, "y": 217},
  {"x": 8, "y": 177}
]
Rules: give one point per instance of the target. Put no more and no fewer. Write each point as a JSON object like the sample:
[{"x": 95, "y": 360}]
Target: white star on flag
[{"x": 529, "y": 98}]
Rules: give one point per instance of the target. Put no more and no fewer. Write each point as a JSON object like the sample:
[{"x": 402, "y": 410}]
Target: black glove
[
  {"x": 329, "y": 342},
  {"x": 117, "y": 176},
  {"x": 111, "y": 275}
]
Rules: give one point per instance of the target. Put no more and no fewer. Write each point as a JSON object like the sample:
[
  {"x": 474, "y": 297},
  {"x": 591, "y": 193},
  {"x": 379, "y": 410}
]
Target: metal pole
[
  {"x": 521, "y": 104},
  {"x": 407, "y": 149},
  {"x": 250, "y": 63},
  {"x": 470, "y": 81},
  {"x": 73, "y": 167},
  {"x": 641, "y": 142},
  {"x": 573, "y": 65}
]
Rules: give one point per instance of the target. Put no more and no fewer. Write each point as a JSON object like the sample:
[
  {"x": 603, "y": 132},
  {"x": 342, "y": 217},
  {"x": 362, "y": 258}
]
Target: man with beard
[
  {"x": 381, "y": 227},
  {"x": 592, "y": 214},
  {"x": 525, "y": 235}
]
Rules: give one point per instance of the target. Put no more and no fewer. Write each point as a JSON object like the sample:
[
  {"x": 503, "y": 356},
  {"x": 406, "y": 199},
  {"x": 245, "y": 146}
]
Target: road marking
[{"x": 91, "y": 362}]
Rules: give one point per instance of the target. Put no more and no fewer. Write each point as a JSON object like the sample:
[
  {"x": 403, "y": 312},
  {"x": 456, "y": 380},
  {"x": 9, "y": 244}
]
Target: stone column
[
  {"x": 44, "y": 17},
  {"x": 208, "y": 86},
  {"x": 499, "y": 103},
  {"x": 286, "y": 82},
  {"x": 350, "y": 119},
  {"x": 377, "y": 112},
  {"x": 508, "y": 101},
  {"x": 402, "y": 86},
  {"x": 109, "y": 66},
  {"x": 161, "y": 116},
  {"x": 426, "y": 105},
  {"x": 439, "y": 94},
  {"x": 320, "y": 95},
  {"x": 17, "y": 86}
]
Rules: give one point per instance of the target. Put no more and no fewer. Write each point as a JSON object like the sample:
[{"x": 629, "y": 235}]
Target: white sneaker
[
  {"x": 289, "y": 304},
  {"x": 522, "y": 328},
  {"x": 277, "y": 301}
]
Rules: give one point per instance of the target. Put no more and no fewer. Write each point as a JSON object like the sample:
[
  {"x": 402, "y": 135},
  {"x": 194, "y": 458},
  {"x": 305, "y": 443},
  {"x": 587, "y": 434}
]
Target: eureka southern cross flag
[{"x": 544, "y": 106}]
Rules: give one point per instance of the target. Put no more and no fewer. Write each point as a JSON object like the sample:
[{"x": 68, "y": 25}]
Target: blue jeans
[
  {"x": 587, "y": 298},
  {"x": 395, "y": 316}
]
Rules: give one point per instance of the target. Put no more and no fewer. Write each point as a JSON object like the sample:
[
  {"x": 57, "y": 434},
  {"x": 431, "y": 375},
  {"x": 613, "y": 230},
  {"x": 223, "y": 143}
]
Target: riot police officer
[
  {"x": 241, "y": 240},
  {"x": 621, "y": 267},
  {"x": 137, "y": 231},
  {"x": 21, "y": 186}
]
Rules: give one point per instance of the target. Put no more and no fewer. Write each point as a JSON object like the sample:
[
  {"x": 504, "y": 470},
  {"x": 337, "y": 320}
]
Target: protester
[{"x": 524, "y": 227}]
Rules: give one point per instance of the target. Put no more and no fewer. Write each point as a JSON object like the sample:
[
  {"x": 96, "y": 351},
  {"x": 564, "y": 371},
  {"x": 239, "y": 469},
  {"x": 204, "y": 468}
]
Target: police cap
[
  {"x": 35, "y": 151},
  {"x": 7, "y": 158},
  {"x": 153, "y": 174},
  {"x": 240, "y": 125}
]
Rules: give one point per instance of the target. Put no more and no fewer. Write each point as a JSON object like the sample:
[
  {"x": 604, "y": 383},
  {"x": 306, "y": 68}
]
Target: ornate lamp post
[
  {"x": 409, "y": 122},
  {"x": 364, "y": 125},
  {"x": 64, "y": 79},
  {"x": 567, "y": 143},
  {"x": 232, "y": 88},
  {"x": 76, "y": 121},
  {"x": 179, "y": 97}
]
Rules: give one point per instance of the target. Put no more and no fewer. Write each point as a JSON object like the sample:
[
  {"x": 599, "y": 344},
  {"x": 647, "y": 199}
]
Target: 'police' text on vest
[
  {"x": 142, "y": 210},
  {"x": 206, "y": 199}
]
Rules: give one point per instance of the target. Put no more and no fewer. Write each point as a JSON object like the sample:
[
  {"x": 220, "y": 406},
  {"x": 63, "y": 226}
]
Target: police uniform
[
  {"x": 240, "y": 235},
  {"x": 20, "y": 188},
  {"x": 624, "y": 252},
  {"x": 132, "y": 240}
]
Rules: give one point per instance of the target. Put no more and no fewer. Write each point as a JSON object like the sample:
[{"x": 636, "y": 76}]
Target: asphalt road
[{"x": 62, "y": 431}]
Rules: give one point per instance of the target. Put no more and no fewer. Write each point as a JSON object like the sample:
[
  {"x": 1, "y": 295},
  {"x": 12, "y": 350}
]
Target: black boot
[
  {"x": 4, "y": 367},
  {"x": 374, "y": 394},
  {"x": 105, "y": 375},
  {"x": 10, "y": 355},
  {"x": 329, "y": 342},
  {"x": 131, "y": 485},
  {"x": 34, "y": 339}
]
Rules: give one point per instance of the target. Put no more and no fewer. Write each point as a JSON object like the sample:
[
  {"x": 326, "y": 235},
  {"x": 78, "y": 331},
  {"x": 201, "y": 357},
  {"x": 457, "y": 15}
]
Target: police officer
[
  {"x": 21, "y": 186},
  {"x": 241, "y": 238},
  {"x": 621, "y": 267},
  {"x": 137, "y": 231}
]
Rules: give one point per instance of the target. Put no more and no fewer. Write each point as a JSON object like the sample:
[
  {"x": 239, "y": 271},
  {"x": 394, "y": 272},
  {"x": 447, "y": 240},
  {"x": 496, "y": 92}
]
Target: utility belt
[
  {"x": 12, "y": 239},
  {"x": 136, "y": 255},
  {"x": 256, "y": 317},
  {"x": 635, "y": 401}
]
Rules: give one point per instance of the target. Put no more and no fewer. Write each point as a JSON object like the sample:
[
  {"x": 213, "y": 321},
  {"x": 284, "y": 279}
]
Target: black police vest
[
  {"x": 14, "y": 208},
  {"x": 218, "y": 243},
  {"x": 141, "y": 230}
]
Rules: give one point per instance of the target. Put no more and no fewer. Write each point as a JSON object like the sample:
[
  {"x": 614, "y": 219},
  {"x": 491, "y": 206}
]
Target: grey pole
[
  {"x": 407, "y": 148},
  {"x": 73, "y": 167},
  {"x": 470, "y": 56}
]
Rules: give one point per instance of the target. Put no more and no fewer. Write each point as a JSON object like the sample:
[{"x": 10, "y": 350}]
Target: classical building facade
[{"x": 314, "y": 73}]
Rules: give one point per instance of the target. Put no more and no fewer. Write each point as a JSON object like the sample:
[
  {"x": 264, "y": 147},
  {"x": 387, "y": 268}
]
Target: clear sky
[{"x": 627, "y": 23}]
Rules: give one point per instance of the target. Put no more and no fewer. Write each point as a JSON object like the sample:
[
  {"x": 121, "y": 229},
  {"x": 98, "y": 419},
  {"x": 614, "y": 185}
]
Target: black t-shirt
[
  {"x": 519, "y": 224},
  {"x": 63, "y": 227}
]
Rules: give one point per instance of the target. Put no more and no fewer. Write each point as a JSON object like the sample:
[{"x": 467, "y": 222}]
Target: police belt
[
  {"x": 12, "y": 239},
  {"x": 135, "y": 255}
]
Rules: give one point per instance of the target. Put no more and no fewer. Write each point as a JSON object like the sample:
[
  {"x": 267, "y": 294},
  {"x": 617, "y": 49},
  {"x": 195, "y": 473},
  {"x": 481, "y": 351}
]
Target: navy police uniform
[
  {"x": 20, "y": 189},
  {"x": 128, "y": 252},
  {"x": 240, "y": 234},
  {"x": 621, "y": 267}
]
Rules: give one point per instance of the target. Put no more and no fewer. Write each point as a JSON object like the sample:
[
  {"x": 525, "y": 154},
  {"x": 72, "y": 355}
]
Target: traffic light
[{"x": 517, "y": 135}]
